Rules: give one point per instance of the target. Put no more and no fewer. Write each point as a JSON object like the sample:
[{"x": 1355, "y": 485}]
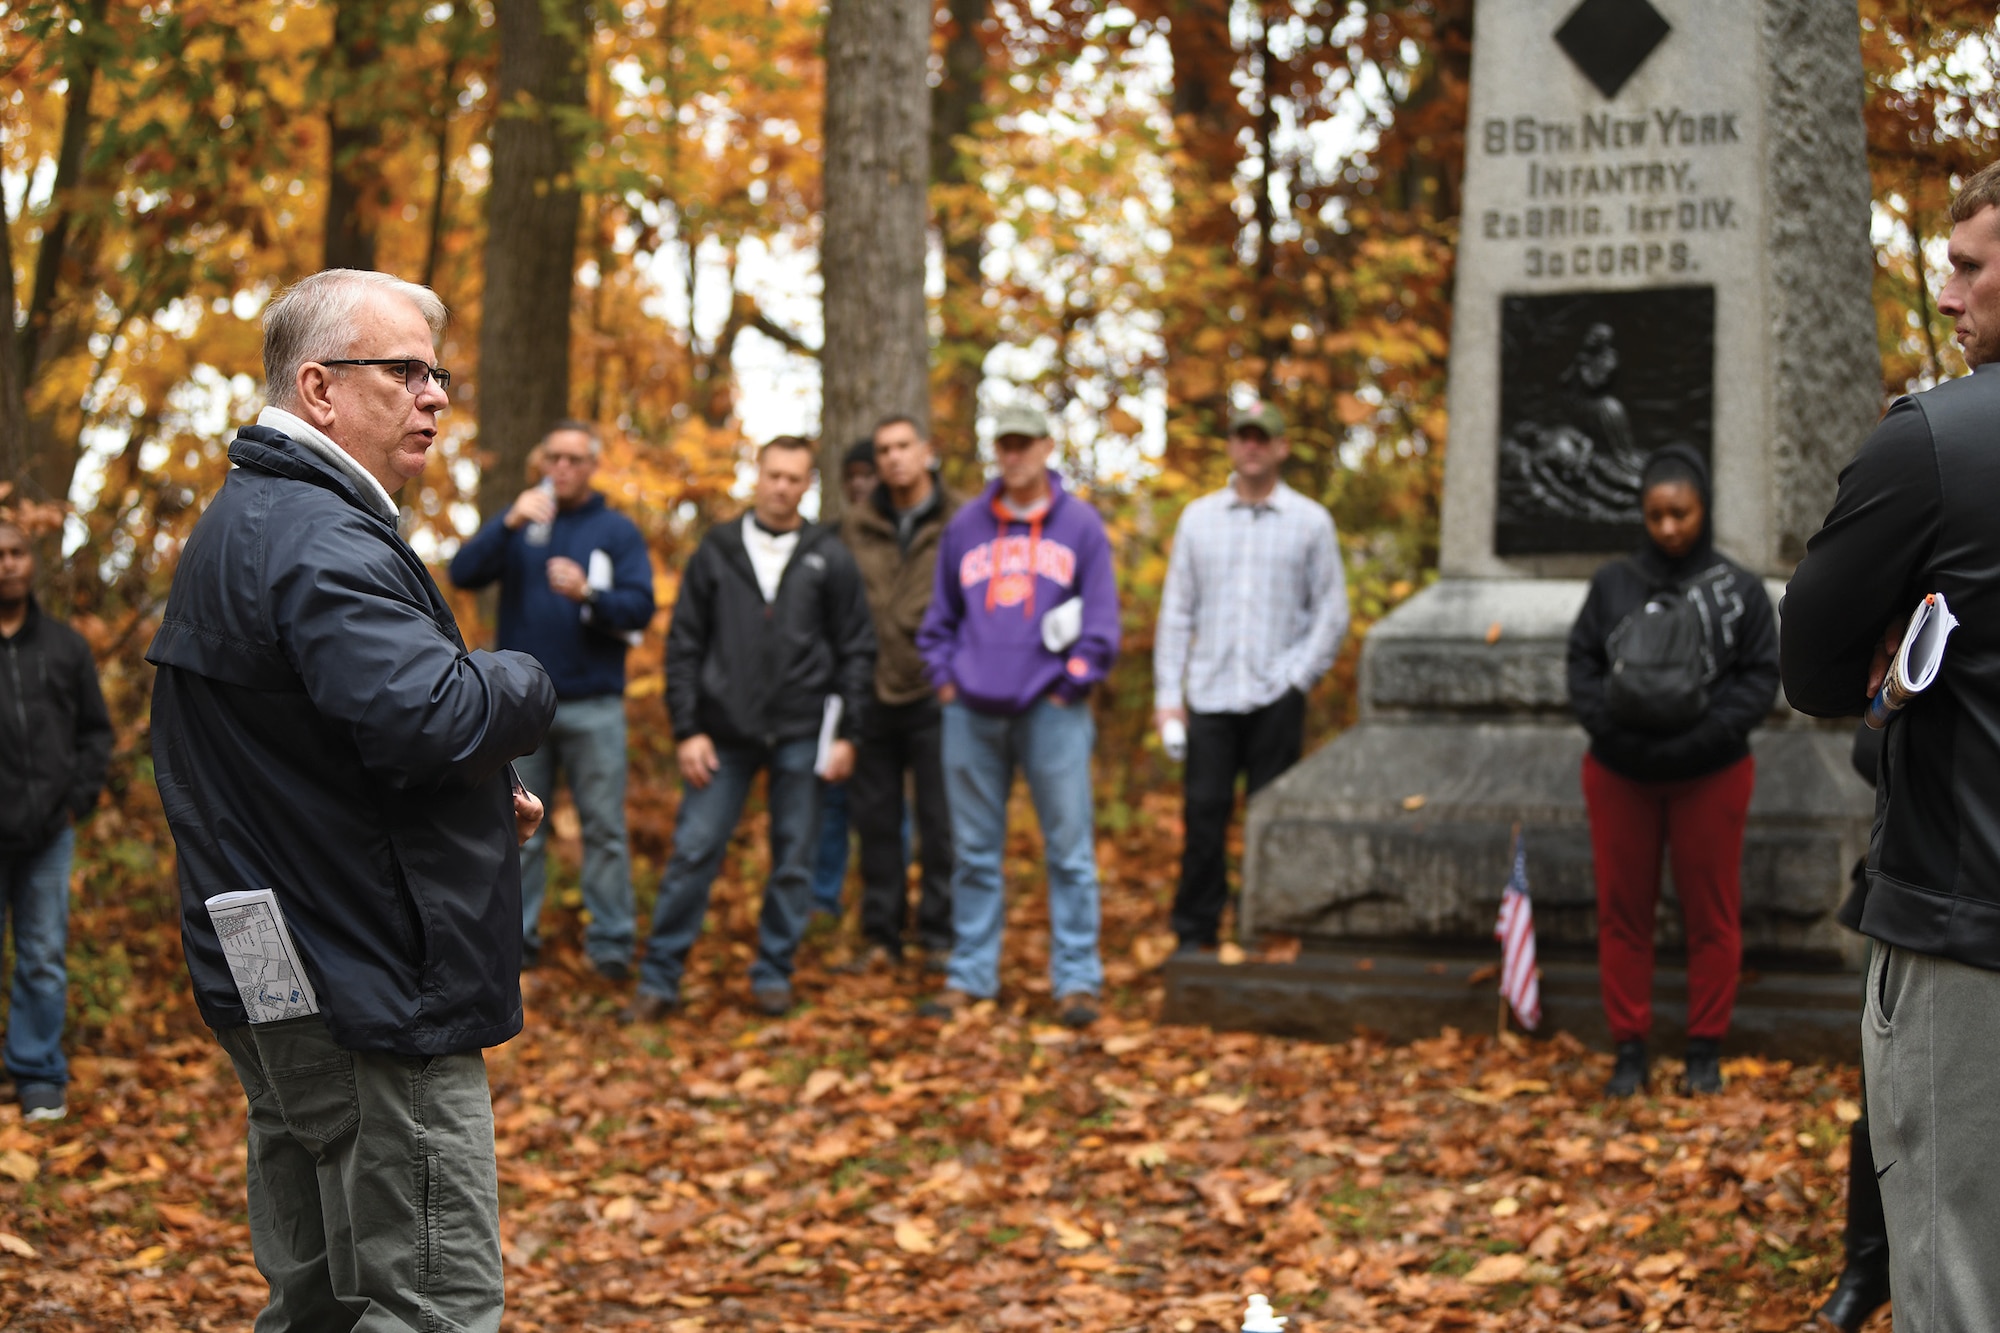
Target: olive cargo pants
[{"x": 374, "y": 1199}]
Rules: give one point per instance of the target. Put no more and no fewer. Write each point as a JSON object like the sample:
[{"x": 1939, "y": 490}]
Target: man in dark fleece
[
  {"x": 1687, "y": 791},
  {"x": 1915, "y": 515},
  {"x": 1023, "y": 621},
  {"x": 770, "y": 626}
]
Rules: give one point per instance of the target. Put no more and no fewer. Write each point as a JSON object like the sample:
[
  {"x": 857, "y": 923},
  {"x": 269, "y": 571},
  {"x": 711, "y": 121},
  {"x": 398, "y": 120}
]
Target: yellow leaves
[
  {"x": 1230, "y": 954},
  {"x": 17, "y": 1165},
  {"x": 1141, "y": 1156},
  {"x": 1497, "y": 1268},
  {"x": 1068, "y": 1234},
  {"x": 916, "y": 1235},
  {"x": 819, "y": 1083},
  {"x": 1505, "y": 1206},
  {"x": 1846, "y": 1112},
  {"x": 145, "y": 1258},
  {"x": 1221, "y": 1103},
  {"x": 13, "y": 1244}
]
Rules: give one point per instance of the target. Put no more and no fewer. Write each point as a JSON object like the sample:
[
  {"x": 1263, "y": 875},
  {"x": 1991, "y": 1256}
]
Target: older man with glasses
[
  {"x": 320, "y": 731},
  {"x": 576, "y": 588}
]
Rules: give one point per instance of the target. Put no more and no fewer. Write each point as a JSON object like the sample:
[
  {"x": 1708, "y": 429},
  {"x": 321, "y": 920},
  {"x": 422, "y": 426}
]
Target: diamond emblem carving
[{"x": 1609, "y": 39}]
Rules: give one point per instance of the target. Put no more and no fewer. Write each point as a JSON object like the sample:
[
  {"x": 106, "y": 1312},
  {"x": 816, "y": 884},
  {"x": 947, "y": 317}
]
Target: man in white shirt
[
  {"x": 771, "y": 625},
  {"x": 1253, "y": 614}
]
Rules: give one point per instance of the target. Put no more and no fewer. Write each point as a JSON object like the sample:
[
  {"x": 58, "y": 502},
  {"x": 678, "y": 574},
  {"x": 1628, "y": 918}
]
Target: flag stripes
[{"x": 1520, "y": 983}]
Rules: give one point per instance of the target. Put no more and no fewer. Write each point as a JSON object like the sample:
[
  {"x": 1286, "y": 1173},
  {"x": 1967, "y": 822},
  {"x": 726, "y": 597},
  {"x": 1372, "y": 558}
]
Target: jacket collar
[
  {"x": 29, "y": 623},
  {"x": 880, "y": 512},
  {"x": 277, "y": 453},
  {"x": 309, "y": 435},
  {"x": 728, "y": 538}
]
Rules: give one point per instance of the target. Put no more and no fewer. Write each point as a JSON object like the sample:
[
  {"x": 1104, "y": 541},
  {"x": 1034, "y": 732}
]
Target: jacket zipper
[{"x": 21, "y": 712}]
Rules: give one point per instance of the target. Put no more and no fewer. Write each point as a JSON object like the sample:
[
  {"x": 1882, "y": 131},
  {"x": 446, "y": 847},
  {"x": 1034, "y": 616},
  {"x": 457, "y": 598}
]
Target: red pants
[{"x": 1699, "y": 822}]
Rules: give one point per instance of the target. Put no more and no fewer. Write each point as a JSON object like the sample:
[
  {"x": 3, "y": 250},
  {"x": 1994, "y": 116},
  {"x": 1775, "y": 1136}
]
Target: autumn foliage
[{"x": 1138, "y": 222}]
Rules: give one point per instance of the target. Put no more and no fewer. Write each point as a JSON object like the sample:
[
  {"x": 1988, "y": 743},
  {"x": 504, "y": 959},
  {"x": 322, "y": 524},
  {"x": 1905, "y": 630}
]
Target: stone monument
[{"x": 1665, "y": 239}]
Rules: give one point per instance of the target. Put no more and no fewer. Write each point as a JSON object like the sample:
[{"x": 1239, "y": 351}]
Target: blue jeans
[
  {"x": 1051, "y": 744},
  {"x": 34, "y": 893},
  {"x": 702, "y": 830},
  {"x": 829, "y": 874},
  {"x": 586, "y": 744}
]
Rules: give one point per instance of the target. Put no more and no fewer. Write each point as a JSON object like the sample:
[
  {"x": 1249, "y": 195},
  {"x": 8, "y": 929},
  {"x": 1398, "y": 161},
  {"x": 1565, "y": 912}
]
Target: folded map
[{"x": 262, "y": 955}]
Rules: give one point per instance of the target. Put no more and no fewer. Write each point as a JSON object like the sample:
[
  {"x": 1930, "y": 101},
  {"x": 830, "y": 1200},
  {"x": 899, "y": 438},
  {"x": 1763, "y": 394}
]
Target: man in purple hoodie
[{"x": 1022, "y": 623}]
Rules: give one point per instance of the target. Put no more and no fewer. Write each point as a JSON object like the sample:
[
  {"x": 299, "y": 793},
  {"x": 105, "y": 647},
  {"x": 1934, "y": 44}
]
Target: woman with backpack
[{"x": 1673, "y": 661}]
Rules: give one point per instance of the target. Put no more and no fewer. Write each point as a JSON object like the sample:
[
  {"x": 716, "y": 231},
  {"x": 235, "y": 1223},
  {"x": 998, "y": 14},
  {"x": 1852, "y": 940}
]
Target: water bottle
[
  {"x": 1259, "y": 1319},
  {"x": 537, "y": 534},
  {"x": 1173, "y": 739}
]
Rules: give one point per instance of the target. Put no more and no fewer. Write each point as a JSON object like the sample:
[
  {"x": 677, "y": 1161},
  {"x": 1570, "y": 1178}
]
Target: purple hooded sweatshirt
[{"x": 997, "y": 576}]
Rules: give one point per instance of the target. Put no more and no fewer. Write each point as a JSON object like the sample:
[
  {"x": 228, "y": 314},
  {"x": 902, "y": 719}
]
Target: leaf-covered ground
[{"x": 855, "y": 1167}]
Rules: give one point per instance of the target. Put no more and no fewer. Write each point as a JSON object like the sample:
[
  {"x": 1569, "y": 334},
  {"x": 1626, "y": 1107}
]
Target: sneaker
[
  {"x": 612, "y": 969},
  {"x": 1703, "y": 1075},
  {"x": 773, "y": 998},
  {"x": 42, "y": 1101},
  {"x": 1078, "y": 1009},
  {"x": 648, "y": 1008},
  {"x": 1628, "y": 1076},
  {"x": 947, "y": 1004}
]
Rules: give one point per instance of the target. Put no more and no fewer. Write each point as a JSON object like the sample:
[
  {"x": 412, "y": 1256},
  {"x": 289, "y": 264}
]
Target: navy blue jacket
[
  {"x": 584, "y": 654},
  {"x": 319, "y": 729}
]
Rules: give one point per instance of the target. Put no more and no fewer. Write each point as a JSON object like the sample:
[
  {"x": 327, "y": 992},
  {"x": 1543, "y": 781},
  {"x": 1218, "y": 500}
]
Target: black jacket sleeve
[
  {"x": 687, "y": 641},
  {"x": 357, "y": 627},
  {"x": 1587, "y": 661},
  {"x": 1861, "y": 567},
  {"x": 850, "y": 629},
  {"x": 93, "y": 736}
]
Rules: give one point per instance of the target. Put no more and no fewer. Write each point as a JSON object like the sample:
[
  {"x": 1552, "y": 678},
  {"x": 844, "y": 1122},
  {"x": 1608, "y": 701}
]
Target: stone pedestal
[{"x": 1665, "y": 240}]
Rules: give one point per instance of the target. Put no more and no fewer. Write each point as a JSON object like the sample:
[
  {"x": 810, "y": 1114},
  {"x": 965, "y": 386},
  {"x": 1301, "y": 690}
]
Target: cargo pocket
[{"x": 312, "y": 1079}]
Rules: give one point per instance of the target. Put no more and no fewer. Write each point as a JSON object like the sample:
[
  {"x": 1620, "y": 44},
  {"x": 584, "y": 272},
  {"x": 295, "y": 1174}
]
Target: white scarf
[{"x": 309, "y": 435}]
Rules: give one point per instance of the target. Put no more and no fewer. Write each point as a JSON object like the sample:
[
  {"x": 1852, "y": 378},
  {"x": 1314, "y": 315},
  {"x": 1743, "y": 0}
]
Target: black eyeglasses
[{"x": 413, "y": 371}]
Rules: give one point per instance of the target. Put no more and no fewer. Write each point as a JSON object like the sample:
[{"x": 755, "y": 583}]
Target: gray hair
[{"x": 311, "y": 318}]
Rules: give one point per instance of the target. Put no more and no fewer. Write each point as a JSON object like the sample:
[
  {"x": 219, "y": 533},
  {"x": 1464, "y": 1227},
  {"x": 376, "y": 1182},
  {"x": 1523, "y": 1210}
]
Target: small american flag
[{"x": 1520, "y": 985}]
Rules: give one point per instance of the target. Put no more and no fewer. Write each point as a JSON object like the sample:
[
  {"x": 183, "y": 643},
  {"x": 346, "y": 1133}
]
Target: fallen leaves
[{"x": 854, "y": 1167}]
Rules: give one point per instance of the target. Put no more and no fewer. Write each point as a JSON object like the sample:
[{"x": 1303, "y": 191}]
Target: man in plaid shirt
[{"x": 1253, "y": 614}]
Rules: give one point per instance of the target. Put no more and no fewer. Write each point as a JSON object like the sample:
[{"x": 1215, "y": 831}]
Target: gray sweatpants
[
  {"x": 1930, "y": 1047},
  {"x": 374, "y": 1201}
]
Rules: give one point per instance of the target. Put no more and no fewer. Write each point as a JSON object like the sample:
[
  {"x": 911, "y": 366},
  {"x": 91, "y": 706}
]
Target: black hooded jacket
[
  {"x": 320, "y": 730},
  {"x": 1738, "y": 630},
  {"x": 746, "y": 672},
  {"x": 55, "y": 736}
]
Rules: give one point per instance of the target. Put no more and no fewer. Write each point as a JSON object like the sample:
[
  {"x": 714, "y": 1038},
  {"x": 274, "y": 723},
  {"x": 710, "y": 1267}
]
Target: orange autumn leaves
[{"x": 854, "y": 1167}]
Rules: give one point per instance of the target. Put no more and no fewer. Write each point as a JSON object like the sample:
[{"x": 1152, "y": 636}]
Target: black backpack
[{"x": 1658, "y": 680}]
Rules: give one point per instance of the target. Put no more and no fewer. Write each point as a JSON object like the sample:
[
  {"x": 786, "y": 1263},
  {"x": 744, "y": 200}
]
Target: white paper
[
  {"x": 829, "y": 733},
  {"x": 1063, "y": 626},
  {"x": 599, "y": 577},
  {"x": 262, "y": 956},
  {"x": 1922, "y": 653},
  {"x": 1918, "y": 660}
]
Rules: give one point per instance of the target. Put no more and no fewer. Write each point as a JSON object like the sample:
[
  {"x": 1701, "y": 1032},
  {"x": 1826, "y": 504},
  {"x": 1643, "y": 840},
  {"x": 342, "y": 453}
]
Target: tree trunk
[
  {"x": 878, "y": 121},
  {"x": 13, "y": 413},
  {"x": 956, "y": 105},
  {"x": 354, "y": 189},
  {"x": 532, "y": 213},
  {"x": 54, "y": 327}
]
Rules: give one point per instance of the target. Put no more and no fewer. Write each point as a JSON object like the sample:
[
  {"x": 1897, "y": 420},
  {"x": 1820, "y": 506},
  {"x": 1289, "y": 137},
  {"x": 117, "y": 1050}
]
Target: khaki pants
[
  {"x": 1930, "y": 1047},
  {"x": 374, "y": 1201}
]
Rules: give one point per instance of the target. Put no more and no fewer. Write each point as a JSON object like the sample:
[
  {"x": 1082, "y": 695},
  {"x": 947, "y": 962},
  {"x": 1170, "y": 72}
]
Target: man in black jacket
[
  {"x": 770, "y": 630},
  {"x": 1914, "y": 515},
  {"x": 321, "y": 731},
  {"x": 55, "y": 739}
]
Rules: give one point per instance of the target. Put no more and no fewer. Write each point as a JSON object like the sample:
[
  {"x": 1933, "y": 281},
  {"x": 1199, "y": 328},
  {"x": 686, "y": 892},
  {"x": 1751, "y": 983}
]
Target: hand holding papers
[
  {"x": 1917, "y": 660},
  {"x": 829, "y": 734}
]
